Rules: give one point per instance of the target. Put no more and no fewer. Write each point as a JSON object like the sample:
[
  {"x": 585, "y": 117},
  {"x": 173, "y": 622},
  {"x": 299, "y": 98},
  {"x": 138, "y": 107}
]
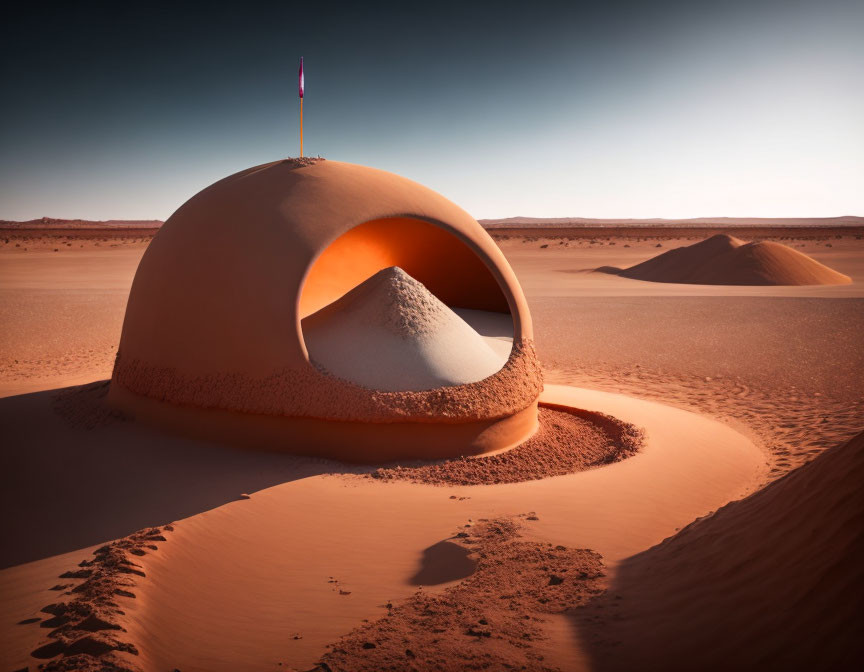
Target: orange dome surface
[{"x": 214, "y": 314}]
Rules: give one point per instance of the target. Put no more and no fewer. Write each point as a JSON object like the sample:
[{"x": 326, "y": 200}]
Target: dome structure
[{"x": 213, "y": 339}]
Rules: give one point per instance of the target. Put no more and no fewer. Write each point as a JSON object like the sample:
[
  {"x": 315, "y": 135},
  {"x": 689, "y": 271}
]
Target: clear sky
[{"x": 612, "y": 109}]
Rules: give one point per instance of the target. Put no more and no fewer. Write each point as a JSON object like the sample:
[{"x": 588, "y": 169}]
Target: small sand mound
[
  {"x": 492, "y": 620},
  {"x": 567, "y": 441},
  {"x": 772, "y": 581},
  {"x": 390, "y": 333},
  {"x": 725, "y": 260}
]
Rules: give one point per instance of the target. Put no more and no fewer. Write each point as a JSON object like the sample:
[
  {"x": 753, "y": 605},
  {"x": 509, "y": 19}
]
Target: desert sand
[{"x": 227, "y": 559}]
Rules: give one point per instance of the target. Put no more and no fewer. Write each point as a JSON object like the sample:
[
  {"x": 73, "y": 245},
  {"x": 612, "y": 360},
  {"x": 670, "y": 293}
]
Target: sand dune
[
  {"x": 391, "y": 333},
  {"x": 726, "y": 260},
  {"x": 770, "y": 582}
]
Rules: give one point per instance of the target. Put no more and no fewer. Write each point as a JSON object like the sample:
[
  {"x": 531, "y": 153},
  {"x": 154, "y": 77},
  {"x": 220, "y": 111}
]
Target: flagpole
[{"x": 300, "y": 87}]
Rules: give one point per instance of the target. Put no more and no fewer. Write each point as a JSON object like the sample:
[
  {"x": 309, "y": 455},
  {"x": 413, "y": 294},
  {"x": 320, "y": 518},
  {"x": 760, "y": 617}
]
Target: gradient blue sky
[{"x": 629, "y": 109}]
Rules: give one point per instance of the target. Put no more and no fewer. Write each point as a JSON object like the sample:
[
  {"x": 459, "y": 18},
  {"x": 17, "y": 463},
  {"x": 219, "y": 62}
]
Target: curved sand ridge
[
  {"x": 726, "y": 260},
  {"x": 773, "y": 580},
  {"x": 87, "y": 628},
  {"x": 391, "y": 333}
]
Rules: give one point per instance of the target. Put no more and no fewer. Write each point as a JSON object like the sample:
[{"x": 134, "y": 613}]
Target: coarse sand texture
[{"x": 317, "y": 307}]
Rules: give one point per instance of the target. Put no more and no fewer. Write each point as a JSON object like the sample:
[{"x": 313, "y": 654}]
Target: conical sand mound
[
  {"x": 725, "y": 260},
  {"x": 772, "y": 581},
  {"x": 391, "y": 333}
]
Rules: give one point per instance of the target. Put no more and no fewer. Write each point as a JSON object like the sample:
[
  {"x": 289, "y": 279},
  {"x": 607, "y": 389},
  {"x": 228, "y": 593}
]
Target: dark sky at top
[{"x": 548, "y": 109}]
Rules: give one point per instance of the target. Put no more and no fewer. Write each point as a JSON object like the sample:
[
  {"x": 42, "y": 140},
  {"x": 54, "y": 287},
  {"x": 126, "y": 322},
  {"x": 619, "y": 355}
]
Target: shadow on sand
[
  {"x": 75, "y": 475},
  {"x": 443, "y": 562}
]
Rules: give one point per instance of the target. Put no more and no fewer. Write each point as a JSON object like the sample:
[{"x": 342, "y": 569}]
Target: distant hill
[
  {"x": 53, "y": 223},
  {"x": 507, "y": 222},
  {"x": 571, "y": 222},
  {"x": 726, "y": 260}
]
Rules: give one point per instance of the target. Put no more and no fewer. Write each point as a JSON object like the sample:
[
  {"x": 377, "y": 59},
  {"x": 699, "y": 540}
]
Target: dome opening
[{"x": 444, "y": 264}]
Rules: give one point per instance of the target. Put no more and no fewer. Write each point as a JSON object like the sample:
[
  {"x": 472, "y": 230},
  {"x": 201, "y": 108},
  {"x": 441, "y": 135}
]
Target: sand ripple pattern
[{"x": 792, "y": 426}]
